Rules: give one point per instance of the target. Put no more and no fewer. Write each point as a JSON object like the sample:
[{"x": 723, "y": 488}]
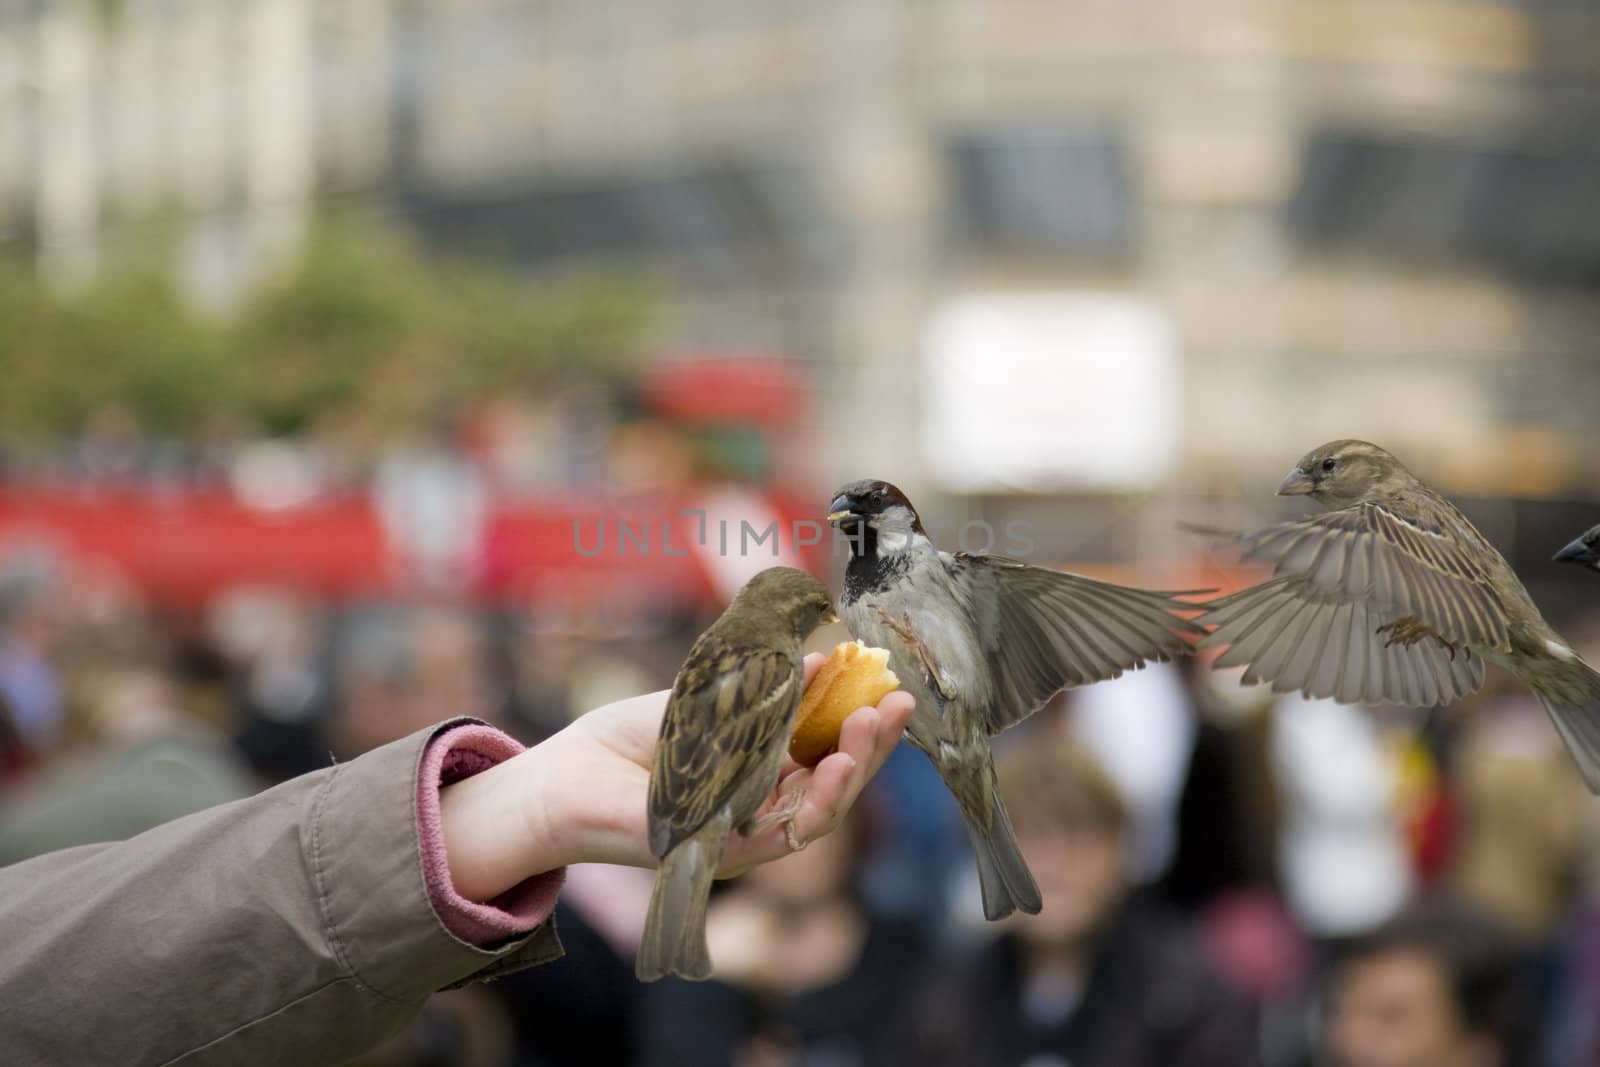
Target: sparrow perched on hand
[
  {"x": 1584, "y": 551},
  {"x": 982, "y": 642},
  {"x": 1394, "y": 596},
  {"x": 723, "y": 739}
]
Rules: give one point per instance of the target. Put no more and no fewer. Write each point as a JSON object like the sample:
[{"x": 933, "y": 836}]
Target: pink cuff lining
[{"x": 460, "y": 753}]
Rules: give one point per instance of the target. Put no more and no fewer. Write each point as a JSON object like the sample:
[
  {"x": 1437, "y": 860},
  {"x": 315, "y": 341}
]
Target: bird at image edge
[
  {"x": 1392, "y": 595},
  {"x": 1583, "y": 550}
]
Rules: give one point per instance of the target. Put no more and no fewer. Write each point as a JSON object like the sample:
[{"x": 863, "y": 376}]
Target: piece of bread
[{"x": 853, "y": 676}]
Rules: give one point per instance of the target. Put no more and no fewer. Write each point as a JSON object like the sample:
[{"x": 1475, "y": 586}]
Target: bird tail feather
[
  {"x": 1003, "y": 874},
  {"x": 1574, "y": 707},
  {"x": 674, "y": 940}
]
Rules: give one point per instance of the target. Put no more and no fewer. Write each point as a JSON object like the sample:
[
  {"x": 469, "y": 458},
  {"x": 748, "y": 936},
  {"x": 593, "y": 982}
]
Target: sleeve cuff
[{"x": 456, "y": 753}]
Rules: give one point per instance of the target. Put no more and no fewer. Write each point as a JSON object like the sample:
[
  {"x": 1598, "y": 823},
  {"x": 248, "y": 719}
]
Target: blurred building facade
[{"x": 1369, "y": 218}]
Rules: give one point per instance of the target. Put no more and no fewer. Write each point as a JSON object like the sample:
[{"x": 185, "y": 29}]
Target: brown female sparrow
[
  {"x": 723, "y": 739},
  {"x": 1394, "y": 596}
]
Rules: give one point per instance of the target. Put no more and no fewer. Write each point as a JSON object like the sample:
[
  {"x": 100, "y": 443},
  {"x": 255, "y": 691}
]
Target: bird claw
[
  {"x": 901, "y": 628},
  {"x": 785, "y": 813},
  {"x": 1409, "y": 630},
  {"x": 924, "y": 657}
]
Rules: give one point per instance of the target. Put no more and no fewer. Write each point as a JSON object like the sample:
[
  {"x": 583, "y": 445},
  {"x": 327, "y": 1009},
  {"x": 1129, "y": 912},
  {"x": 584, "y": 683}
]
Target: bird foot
[
  {"x": 924, "y": 658},
  {"x": 903, "y": 628},
  {"x": 1408, "y": 631},
  {"x": 785, "y": 813}
]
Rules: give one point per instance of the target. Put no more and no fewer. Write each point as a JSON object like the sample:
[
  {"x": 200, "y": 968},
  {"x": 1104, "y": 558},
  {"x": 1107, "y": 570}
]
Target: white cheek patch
[{"x": 893, "y": 537}]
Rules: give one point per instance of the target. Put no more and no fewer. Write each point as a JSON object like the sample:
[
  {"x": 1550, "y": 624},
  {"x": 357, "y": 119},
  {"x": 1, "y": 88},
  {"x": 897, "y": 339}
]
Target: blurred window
[
  {"x": 1043, "y": 190},
  {"x": 1523, "y": 208},
  {"x": 712, "y": 217}
]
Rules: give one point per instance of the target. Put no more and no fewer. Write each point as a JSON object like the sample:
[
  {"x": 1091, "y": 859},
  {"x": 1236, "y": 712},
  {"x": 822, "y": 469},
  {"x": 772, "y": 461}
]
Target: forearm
[{"x": 294, "y": 926}]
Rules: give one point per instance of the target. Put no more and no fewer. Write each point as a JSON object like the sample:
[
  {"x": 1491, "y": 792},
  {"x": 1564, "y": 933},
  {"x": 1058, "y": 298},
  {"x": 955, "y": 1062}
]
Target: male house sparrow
[
  {"x": 1394, "y": 596},
  {"x": 723, "y": 738},
  {"x": 982, "y": 642},
  {"x": 1584, "y": 551}
]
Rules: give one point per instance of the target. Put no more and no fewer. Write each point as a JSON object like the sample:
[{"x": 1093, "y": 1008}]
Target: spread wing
[
  {"x": 1285, "y": 632},
  {"x": 729, "y": 705},
  {"x": 1418, "y": 572},
  {"x": 1043, "y": 631}
]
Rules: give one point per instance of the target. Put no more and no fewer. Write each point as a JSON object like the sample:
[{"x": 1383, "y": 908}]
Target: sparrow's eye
[{"x": 1329, "y": 463}]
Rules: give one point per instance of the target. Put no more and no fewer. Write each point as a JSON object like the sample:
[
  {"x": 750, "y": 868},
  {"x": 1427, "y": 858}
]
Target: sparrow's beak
[
  {"x": 839, "y": 510},
  {"x": 1298, "y": 483},
  {"x": 1577, "y": 552},
  {"x": 829, "y": 619}
]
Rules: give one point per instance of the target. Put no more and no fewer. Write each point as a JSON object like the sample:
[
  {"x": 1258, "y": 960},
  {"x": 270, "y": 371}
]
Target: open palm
[{"x": 606, "y": 757}]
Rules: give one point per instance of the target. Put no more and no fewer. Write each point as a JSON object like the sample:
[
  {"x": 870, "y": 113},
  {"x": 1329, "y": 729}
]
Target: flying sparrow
[
  {"x": 982, "y": 642},
  {"x": 1394, "y": 596}
]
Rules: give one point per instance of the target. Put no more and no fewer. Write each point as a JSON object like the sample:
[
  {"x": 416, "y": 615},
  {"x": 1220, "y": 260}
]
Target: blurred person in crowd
[
  {"x": 434, "y": 503},
  {"x": 1570, "y": 1023},
  {"x": 13, "y": 753},
  {"x": 1439, "y": 985},
  {"x": 272, "y": 644},
  {"x": 1224, "y": 869},
  {"x": 1229, "y": 812},
  {"x": 466, "y": 1027},
  {"x": 806, "y": 971},
  {"x": 1344, "y": 862},
  {"x": 396, "y": 667},
  {"x": 111, "y": 446},
  {"x": 1521, "y": 807},
  {"x": 1140, "y": 728},
  {"x": 32, "y": 582},
  {"x": 581, "y": 1009},
  {"x": 924, "y": 854},
  {"x": 147, "y": 762},
  {"x": 1100, "y": 977}
]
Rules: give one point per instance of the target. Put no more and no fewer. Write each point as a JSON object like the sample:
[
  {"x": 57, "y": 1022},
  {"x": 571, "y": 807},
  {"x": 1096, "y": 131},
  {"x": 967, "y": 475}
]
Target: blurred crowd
[
  {"x": 1228, "y": 877},
  {"x": 578, "y": 434}
]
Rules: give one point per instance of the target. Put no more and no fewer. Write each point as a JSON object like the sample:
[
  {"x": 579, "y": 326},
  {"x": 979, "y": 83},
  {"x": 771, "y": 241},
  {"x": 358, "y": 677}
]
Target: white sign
[{"x": 1050, "y": 390}]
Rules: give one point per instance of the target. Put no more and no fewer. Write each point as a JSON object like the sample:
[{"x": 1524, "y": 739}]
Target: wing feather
[
  {"x": 1052, "y": 630},
  {"x": 1287, "y": 633},
  {"x": 1418, "y": 559},
  {"x": 729, "y": 705}
]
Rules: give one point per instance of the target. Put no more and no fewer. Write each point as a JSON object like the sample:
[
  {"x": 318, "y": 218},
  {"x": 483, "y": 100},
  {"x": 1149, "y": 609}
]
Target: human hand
[{"x": 580, "y": 796}]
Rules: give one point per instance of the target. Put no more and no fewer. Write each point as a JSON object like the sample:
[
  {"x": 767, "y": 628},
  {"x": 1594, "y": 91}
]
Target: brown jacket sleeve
[{"x": 290, "y": 927}]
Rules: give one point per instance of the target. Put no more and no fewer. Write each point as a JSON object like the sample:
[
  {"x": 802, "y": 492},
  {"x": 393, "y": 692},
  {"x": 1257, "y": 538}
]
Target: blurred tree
[
  {"x": 128, "y": 340},
  {"x": 365, "y": 327},
  {"x": 371, "y": 327}
]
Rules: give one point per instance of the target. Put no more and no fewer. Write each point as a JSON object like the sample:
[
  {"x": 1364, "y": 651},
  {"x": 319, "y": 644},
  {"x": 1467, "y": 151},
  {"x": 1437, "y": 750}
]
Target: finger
[
  {"x": 865, "y": 741},
  {"x": 858, "y": 737},
  {"x": 871, "y": 738},
  {"x": 836, "y": 782},
  {"x": 895, "y": 710}
]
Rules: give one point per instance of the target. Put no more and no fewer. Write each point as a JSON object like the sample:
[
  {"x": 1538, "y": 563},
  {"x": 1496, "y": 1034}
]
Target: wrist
[
  {"x": 546, "y": 809},
  {"x": 494, "y": 837}
]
